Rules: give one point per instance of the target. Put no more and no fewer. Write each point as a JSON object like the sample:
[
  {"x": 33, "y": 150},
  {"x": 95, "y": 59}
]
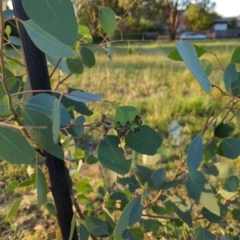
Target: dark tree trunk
[{"x": 39, "y": 79}]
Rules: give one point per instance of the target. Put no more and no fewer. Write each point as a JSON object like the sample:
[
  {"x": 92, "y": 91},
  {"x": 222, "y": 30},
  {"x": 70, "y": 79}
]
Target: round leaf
[
  {"x": 14, "y": 148},
  {"x": 97, "y": 227},
  {"x": 145, "y": 141},
  {"x": 46, "y": 42},
  {"x": 87, "y": 56},
  {"x": 111, "y": 155},
  {"x": 56, "y": 18}
]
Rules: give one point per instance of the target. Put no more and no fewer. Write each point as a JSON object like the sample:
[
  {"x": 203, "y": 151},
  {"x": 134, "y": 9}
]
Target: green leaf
[
  {"x": 159, "y": 210},
  {"x": 8, "y": 13},
  {"x": 212, "y": 217},
  {"x": 174, "y": 55},
  {"x": 127, "y": 235},
  {"x": 97, "y": 227},
  {"x": 195, "y": 153},
  {"x": 111, "y": 155},
  {"x": 131, "y": 182},
  {"x": 207, "y": 66},
  {"x": 145, "y": 141},
  {"x": 62, "y": 65},
  {"x": 75, "y": 65},
  {"x": 10, "y": 84},
  {"x": 236, "y": 214},
  {"x": 181, "y": 210},
  {"x": 231, "y": 184},
  {"x": 46, "y": 42},
  {"x": 224, "y": 130},
  {"x": 44, "y": 103},
  {"x": 210, "y": 150},
  {"x": 84, "y": 34},
  {"x": 83, "y": 186},
  {"x": 14, "y": 147},
  {"x": 222, "y": 169},
  {"x": 56, "y": 120},
  {"x": 236, "y": 56},
  {"x": 56, "y": 18},
  {"x": 41, "y": 188},
  {"x": 200, "y": 190},
  {"x": 150, "y": 225},
  {"x": 171, "y": 184},
  {"x": 130, "y": 215},
  {"x": 91, "y": 159},
  {"x": 12, "y": 185},
  {"x": 28, "y": 182},
  {"x": 84, "y": 97},
  {"x": 87, "y": 56},
  {"x": 50, "y": 207},
  {"x": 189, "y": 55},
  {"x": 78, "y": 125},
  {"x": 73, "y": 224},
  {"x": 125, "y": 114},
  {"x": 107, "y": 20},
  {"x": 175, "y": 130},
  {"x": 43, "y": 137},
  {"x": 230, "y": 75},
  {"x": 158, "y": 177},
  {"x": 14, "y": 208},
  {"x": 235, "y": 87},
  {"x": 144, "y": 174},
  {"x": 78, "y": 106},
  {"x": 230, "y": 147},
  {"x": 15, "y": 41},
  {"x": 4, "y": 108},
  {"x": 204, "y": 234},
  {"x": 227, "y": 195},
  {"x": 83, "y": 232}
]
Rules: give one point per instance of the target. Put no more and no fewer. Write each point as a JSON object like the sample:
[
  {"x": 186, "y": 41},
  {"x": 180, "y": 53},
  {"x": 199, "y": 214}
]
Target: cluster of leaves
[{"x": 130, "y": 209}]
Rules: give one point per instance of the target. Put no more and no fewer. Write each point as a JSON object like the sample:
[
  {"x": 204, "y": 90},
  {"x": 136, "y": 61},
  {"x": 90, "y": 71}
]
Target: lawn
[{"x": 161, "y": 89}]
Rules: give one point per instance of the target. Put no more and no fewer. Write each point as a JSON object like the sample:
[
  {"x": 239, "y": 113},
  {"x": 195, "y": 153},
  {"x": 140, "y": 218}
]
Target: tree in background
[
  {"x": 174, "y": 9},
  {"x": 199, "y": 17}
]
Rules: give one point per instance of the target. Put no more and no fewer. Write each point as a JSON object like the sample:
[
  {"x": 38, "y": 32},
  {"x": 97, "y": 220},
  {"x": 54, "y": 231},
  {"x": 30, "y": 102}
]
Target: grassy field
[{"x": 161, "y": 89}]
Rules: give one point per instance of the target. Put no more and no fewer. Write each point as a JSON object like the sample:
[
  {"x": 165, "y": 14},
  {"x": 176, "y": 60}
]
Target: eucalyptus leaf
[
  {"x": 97, "y": 227},
  {"x": 84, "y": 97},
  {"x": 43, "y": 137},
  {"x": 231, "y": 184},
  {"x": 87, "y": 56},
  {"x": 58, "y": 19},
  {"x": 41, "y": 188},
  {"x": 230, "y": 147},
  {"x": 14, "y": 147},
  {"x": 158, "y": 177},
  {"x": 111, "y": 155},
  {"x": 145, "y": 141},
  {"x": 181, "y": 210},
  {"x": 130, "y": 215},
  {"x": 107, "y": 20},
  {"x": 189, "y": 56},
  {"x": 174, "y": 55},
  {"x": 75, "y": 65},
  {"x": 236, "y": 56},
  {"x": 62, "y": 65},
  {"x": 200, "y": 190},
  {"x": 224, "y": 130},
  {"x": 14, "y": 208},
  {"x": 45, "y": 103},
  {"x": 195, "y": 153},
  {"x": 204, "y": 234},
  {"x": 46, "y": 42},
  {"x": 230, "y": 75}
]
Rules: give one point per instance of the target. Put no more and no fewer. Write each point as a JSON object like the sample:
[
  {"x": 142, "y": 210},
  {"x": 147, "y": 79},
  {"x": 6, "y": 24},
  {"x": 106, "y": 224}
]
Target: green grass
[{"x": 161, "y": 89}]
